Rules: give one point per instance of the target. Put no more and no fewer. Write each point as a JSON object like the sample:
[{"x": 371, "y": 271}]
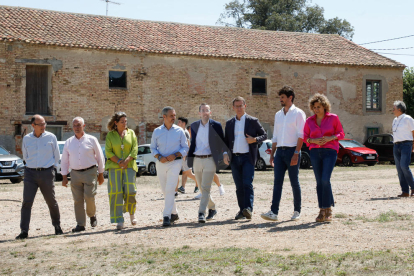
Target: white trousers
[{"x": 168, "y": 173}]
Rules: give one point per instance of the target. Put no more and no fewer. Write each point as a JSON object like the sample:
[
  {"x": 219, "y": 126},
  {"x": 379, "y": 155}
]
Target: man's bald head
[
  {"x": 38, "y": 124},
  {"x": 37, "y": 119}
]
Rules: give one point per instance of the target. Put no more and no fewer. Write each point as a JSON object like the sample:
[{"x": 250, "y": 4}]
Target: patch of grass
[
  {"x": 340, "y": 215},
  {"x": 31, "y": 256},
  {"x": 392, "y": 216}
]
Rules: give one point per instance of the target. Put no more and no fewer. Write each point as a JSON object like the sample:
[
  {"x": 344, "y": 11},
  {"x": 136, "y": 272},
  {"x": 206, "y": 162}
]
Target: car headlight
[
  {"x": 356, "y": 153},
  {"x": 19, "y": 161}
]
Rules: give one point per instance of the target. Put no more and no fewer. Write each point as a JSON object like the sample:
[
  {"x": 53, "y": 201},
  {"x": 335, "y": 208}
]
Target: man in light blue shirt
[
  {"x": 169, "y": 146},
  {"x": 41, "y": 153}
]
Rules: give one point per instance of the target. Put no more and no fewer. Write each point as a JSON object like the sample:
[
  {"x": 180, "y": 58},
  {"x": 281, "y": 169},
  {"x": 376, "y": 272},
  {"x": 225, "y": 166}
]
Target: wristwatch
[
  {"x": 159, "y": 157},
  {"x": 296, "y": 152}
]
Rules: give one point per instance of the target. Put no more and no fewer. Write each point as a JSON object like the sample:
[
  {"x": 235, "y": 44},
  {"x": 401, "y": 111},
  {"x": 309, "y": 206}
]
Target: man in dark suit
[
  {"x": 206, "y": 150},
  {"x": 242, "y": 135}
]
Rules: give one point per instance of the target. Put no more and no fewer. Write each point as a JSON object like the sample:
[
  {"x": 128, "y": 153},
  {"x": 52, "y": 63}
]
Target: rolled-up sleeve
[
  {"x": 134, "y": 148},
  {"x": 339, "y": 131},
  {"x": 153, "y": 146},
  {"x": 184, "y": 144},
  {"x": 306, "y": 132},
  {"x": 300, "y": 123},
  {"x": 64, "y": 163},
  {"x": 274, "y": 139}
]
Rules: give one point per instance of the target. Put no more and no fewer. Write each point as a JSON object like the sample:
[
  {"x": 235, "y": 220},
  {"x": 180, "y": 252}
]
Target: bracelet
[
  {"x": 176, "y": 154},
  {"x": 119, "y": 160},
  {"x": 159, "y": 157},
  {"x": 308, "y": 140}
]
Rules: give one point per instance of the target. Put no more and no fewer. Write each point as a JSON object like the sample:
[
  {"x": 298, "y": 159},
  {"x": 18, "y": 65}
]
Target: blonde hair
[
  {"x": 115, "y": 118},
  {"x": 322, "y": 99}
]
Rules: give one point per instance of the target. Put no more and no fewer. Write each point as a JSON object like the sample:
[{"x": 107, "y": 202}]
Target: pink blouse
[{"x": 330, "y": 126}]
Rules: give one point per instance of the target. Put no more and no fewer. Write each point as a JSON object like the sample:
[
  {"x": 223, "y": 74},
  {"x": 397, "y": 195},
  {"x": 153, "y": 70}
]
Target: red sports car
[{"x": 352, "y": 152}]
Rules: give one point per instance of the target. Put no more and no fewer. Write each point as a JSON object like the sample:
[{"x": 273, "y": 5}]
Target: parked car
[
  {"x": 144, "y": 154},
  {"x": 105, "y": 174},
  {"x": 263, "y": 157},
  {"x": 305, "y": 162},
  {"x": 141, "y": 166},
  {"x": 11, "y": 166},
  {"x": 352, "y": 152},
  {"x": 384, "y": 145}
]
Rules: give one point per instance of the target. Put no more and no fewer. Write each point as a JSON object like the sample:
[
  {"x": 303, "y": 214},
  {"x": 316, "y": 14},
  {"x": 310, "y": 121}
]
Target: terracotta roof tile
[{"x": 102, "y": 32}]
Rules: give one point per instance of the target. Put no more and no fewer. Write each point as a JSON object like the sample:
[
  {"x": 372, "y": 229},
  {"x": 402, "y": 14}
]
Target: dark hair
[
  {"x": 188, "y": 127},
  {"x": 238, "y": 99},
  {"x": 183, "y": 119},
  {"x": 288, "y": 91},
  {"x": 115, "y": 118},
  {"x": 199, "y": 108}
]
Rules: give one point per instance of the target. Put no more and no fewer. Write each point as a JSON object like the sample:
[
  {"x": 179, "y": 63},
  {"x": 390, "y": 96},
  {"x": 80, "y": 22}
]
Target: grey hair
[
  {"x": 166, "y": 109},
  {"x": 400, "y": 105},
  {"x": 78, "y": 119}
]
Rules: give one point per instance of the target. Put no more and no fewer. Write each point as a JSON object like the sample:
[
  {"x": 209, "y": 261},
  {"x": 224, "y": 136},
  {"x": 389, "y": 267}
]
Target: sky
[{"x": 373, "y": 20}]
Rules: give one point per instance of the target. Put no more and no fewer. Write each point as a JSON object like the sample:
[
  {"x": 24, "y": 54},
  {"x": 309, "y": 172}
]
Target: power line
[
  {"x": 386, "y": 40},
  {"x": 391, "y": 49},
  {"x": 395, "y": 54}
]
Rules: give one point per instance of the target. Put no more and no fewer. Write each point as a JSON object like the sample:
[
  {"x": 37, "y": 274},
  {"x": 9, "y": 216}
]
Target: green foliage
[
  {"x": 283, "y": 15},
  {"x": 408, "y": 90}
]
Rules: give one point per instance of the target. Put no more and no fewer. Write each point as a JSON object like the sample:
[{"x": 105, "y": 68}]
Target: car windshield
[
  {"x": 351, "y": 144},
  {"x": 3, "y": 151},
  {"x": 61, "y": 148}
]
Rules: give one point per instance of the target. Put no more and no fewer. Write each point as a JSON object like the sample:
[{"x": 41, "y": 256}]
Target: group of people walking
[{"x": 200, "y": 151}]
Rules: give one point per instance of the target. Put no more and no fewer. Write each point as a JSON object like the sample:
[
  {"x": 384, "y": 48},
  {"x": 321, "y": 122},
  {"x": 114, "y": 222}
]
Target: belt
[
  {"x": 203, "y": 156},
  {"x": 39, "y": 169},
  {"x": 179, "y": 157},
  {"x": 239, "y": 154},
  {"x": 406, "y": 141},
  {"x": 285, "y": 148},
  {"x": 82, "y": 170}
]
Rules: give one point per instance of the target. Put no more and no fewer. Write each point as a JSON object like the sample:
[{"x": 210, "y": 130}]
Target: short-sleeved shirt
[{"x": 402, "y": 128}]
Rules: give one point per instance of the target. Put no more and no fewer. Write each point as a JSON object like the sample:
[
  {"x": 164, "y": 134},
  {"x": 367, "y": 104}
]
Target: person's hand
[
  {"x": 271, "y": 160},
  {"x": 163, "y": 160},
  {"x": 171, "y": 157},
  {"x": 226, "y": 159},
  {"x": 329, "y": 138},
  {"x": 319, "y": 141},
  {"x": 65, "y": 181},
  {"x": 123, "y": 164},
  {"x": 294, "y": 160},
  {"x": 100, "y": 178},
  {"x": 250, "y": 139}
]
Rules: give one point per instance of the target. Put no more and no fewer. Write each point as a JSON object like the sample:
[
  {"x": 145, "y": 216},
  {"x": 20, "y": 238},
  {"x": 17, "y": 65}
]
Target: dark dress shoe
[
  {"x": 94, "y": 221},
  {"x": 78, "y": 229},
  {"x": 166, "y": 222},
  {"x": 174, "y": 218},
  {"x": 23, "y": 235},
  {"x": 247, "y": 213},
  {"x": 404, "y": 195},
  {"x": 58, "y": 230},
  {"x": 211, "y": 214},
  {"x": 239, "y": 216},
  {"x": 201, "y": 218}
]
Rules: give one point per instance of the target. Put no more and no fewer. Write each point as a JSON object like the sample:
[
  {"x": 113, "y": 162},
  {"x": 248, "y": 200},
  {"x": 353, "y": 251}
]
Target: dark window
[
  {"x": 57, "y": 131},
  {"x": 373, "y": 89},
  {"x": 117, "y": 79},
  {"x": 373, "y": 131},
  {"x": 258, "y": 86},
  {"x": 37, "y": 98}
]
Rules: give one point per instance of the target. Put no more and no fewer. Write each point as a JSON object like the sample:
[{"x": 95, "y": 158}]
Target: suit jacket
[
  {"x": 253, "y": 128},
  {"x": 215, "y": 139}
]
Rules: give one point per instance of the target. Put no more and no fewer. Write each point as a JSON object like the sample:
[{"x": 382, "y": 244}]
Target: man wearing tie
[
  {"x": 206, "y": 150},
  {"x": 242, "y": 134}
]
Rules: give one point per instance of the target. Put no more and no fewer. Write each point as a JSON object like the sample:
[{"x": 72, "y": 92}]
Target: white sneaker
[
  {"x": 198, "y": 196},
  {"x": 120, "y": 225},
  {"x": 221, "y": 190},
  {"x": 269, "y": 216},
  {"x": 296, "y": 215},
  {"x": 133, "y": 220}
]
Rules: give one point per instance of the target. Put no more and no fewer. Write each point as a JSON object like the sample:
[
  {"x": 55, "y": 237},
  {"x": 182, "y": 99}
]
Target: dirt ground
[{"x": 362, "y": 195}]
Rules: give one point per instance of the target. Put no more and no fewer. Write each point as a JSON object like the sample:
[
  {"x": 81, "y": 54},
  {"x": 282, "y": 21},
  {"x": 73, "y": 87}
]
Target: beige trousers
[
  {"x": 204, "y": 170},
  {"x": 84, "y": 185}
]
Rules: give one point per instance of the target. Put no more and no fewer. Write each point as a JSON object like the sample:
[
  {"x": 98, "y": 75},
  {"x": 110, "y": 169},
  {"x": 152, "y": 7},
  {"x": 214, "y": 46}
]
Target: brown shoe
[
  {"x": 412, "y": 192},
  {"x": 328, "y": 215},
  {"x": 404, "y": 195},
  {"x": 321, "y": 217}
]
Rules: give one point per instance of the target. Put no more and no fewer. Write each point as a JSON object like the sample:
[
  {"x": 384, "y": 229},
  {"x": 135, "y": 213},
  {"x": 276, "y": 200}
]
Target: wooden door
[{"x": 37, "y": 98}]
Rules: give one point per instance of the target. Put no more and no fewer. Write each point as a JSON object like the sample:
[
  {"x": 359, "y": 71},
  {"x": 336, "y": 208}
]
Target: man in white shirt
[
  {"x": 81, "y": 154},
  {"x": 41, "y": 153},
  {"x": 403, "y": 133},
  {"x": 288, "y": 140}
]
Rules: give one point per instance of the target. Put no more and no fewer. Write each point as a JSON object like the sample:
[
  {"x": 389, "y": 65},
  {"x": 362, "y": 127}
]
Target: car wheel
[
  {"x": 16, "y": 180},
  {"x": 152, "y": 169},
  {"x": 346, "y": 161},
  {"x": 260, "y": 164},
  {"x": 392, "y": 162},
  {"x": 305, "y": 161},
  {"x": 58, "y": 177},
  {"x": 105, "y": 174},
  {"x": 371, "y": 164}
]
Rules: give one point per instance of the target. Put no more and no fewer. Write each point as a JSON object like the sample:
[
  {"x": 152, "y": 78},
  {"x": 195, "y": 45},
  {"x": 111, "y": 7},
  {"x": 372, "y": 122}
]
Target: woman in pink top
[{"x": 321, "y": 133}]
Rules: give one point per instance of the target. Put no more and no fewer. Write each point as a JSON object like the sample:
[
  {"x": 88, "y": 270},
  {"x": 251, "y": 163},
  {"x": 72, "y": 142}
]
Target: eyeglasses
[{"x": 43, "y": 124}]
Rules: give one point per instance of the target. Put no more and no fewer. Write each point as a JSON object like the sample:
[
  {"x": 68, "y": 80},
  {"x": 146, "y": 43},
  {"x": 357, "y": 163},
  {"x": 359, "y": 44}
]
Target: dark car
[
  {"x": 11, "y": 166},
  {"x": 305, "y": 162},
  {"x": 384, "y": 145},
  {"x": 352, "y": 152}
]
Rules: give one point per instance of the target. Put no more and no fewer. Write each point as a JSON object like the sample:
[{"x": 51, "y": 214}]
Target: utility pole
[{"x": 112, "y": 2}]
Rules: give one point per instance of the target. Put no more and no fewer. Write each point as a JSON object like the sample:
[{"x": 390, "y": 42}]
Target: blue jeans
[
  {"x": 402, "y": 158},
  {"x": 281, "y": 162},
  {"x": 323, "y": 162},
  {"x": 243, "y": 173}
]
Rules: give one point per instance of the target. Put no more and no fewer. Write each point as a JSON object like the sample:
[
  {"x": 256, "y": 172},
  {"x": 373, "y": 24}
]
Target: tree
[
  {"x": 283, "y": 15},
  {"x": 408, "y": 90}
]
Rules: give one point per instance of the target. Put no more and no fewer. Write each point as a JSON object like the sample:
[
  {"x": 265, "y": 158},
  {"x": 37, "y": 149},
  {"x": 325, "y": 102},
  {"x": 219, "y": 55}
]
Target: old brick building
[{"x": 64, "y": 65}]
